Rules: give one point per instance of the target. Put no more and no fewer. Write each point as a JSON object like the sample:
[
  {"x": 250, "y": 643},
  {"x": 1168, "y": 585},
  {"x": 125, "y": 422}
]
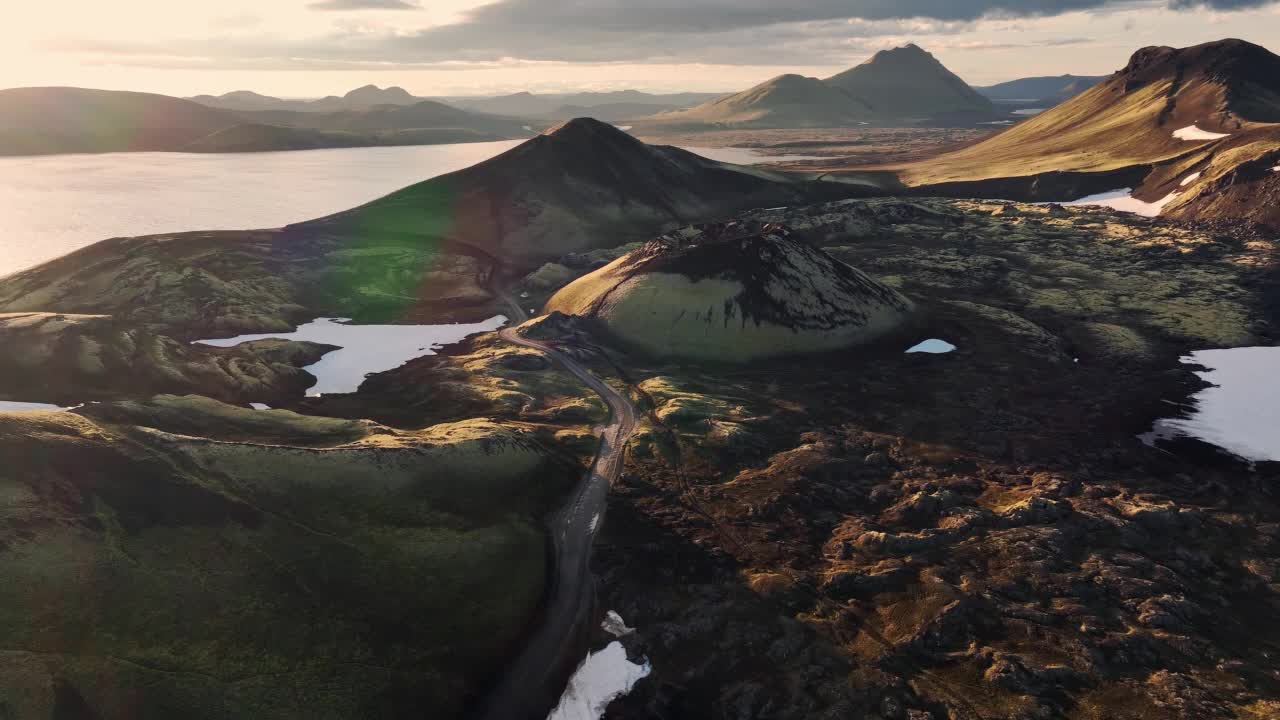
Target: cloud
[
  {"x": 363, "y": 5},
  {"x": 801, "y": 33}
]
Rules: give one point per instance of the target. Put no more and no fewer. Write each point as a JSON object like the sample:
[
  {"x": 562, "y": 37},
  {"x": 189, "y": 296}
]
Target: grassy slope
[
  {"x": 1224, "y": 87},
  {"x": 1096, "y": 131},
  {"x": 150, "y": 575}
]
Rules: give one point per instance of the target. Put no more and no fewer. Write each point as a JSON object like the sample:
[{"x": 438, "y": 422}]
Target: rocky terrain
[{"x": 977, "y": 534}]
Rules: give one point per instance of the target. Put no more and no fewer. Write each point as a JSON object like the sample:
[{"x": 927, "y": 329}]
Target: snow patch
[
  {"x": 366, "y": 349},
  {"x": 933, "y": 346},
  {"x": 603, "y": 677},
  {"x": 1241, "y": 412},
  {"x": 259, "y": 406},
  {"x": 615, "y": 626},
  {"x": 1189, "y": 179},
  {"x": 1191, "y": 132},
  {"x": 1124, "y": 201}
]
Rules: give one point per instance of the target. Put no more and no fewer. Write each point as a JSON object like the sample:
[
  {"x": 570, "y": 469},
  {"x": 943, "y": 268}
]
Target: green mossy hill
[
  {"x": 217, "y": 284},
  {"x": 733, "y": 293},
  {"x": 73, "y": 359},
  {"x": 333, "y": 569}
]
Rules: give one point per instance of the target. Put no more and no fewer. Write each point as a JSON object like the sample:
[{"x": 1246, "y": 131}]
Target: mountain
[
  {"x": 38, "y": 121},
  {"x": 1050, "y": 90},
  {"x": 46, "y": 120},
  {"x": 1133, "y": 118},
  {"x": 905, "y": 85},
  {"x": 358, "y": 99},
  {"x": 733, "y": 293},
  {"x": 908, "y": 82},
  {"x": 582, "y": 185},
  {"x": 371, "y": 95},
  {"x": 242, "y": 100},
  {"x": 428, "y": 250},
  {"x": 784, "y": 101}
]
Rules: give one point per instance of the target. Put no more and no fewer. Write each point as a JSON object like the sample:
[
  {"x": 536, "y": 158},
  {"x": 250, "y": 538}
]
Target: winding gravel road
[{"x": 537, "y": 672}]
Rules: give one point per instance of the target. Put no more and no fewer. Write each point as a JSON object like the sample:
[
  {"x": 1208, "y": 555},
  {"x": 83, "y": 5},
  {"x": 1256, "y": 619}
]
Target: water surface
[
  {"x": 366, "y": 349},
  {"x": 933, "y": 346},
  {"x": 7, "y": 406}
]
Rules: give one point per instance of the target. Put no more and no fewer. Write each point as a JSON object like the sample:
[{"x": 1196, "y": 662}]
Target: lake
[
  {"x": 366, "y": 349},
  {"x": 56, "y": 204}
]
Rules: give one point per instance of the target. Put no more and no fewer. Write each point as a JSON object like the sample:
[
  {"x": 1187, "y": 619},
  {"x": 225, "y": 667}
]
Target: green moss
[{"x": 153, "y": 575}]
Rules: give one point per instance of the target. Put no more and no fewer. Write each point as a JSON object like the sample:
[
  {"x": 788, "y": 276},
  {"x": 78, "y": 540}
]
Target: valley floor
[
  {"x": 846, "y": 148},
  {"x": 865, "y": 533}
]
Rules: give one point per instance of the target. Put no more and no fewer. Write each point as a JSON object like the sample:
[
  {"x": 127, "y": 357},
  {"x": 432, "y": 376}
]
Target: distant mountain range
[
  {"x": 1045, "y": 90},
  {"x": 899, "y": 86},
  {"x": 618, "y": 105},
  {"x": 358, "y": 99},
  {"x": 39, "y": 121}
]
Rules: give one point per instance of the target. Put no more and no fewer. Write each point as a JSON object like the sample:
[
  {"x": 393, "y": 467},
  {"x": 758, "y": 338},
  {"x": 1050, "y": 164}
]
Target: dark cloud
[
  {"x": 363, "y": 5},
  {"x": 759, "y": 32},
  {"x": 1218, "y": 4},
  {"x": 719, "y": 15}
]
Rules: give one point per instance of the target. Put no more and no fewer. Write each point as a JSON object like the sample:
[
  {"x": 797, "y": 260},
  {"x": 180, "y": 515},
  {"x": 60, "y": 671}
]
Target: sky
[{"x": 311, "y": 48}]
